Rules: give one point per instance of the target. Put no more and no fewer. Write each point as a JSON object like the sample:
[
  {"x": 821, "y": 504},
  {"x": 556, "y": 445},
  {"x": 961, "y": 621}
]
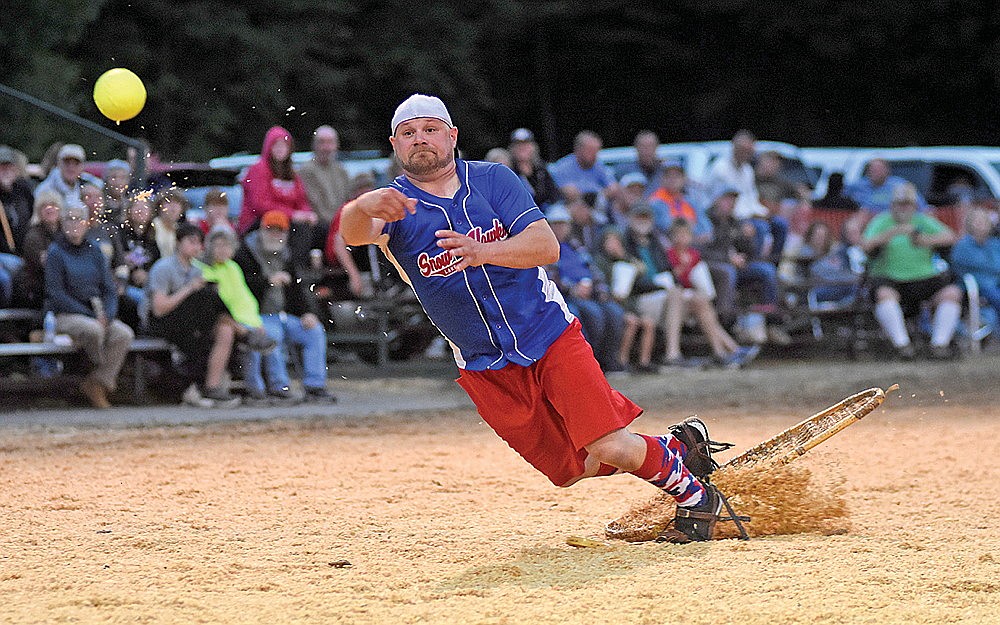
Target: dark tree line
[{"x": 219, "y": 73}]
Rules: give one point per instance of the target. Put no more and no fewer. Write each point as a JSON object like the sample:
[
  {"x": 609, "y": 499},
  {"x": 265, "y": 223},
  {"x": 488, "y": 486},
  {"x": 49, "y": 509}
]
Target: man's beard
[{"x": 425, "y": 166}]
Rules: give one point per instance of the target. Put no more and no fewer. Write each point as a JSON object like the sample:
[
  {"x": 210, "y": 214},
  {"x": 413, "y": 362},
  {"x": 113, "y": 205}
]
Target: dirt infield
[{"x": 442, "y": 523}]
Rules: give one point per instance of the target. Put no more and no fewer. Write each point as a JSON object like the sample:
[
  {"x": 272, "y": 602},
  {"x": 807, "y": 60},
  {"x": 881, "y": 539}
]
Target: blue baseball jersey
[{"x": 493, "y": 316}]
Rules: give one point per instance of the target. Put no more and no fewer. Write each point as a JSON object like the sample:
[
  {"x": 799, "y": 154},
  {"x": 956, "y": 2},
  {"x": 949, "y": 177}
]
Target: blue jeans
[
  {"x": 603, "y": 326},
  {"x": 991, "y": 293},
  {"x": 9, "y": 266},
  {"x": 770, "y": 232},
  {"x": 287, "y": 329},
  {"x": 762, "y": 273}
]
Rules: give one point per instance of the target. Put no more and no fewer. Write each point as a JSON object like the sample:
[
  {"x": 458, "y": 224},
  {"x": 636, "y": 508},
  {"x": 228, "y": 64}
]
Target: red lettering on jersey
[
  {"x": 444, "y": 263},
  {"x": 496, "y": 233},
  {"x": 441, "y": 265}
]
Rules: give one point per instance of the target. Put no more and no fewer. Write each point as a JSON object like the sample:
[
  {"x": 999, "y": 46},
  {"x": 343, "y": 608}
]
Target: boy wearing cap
[
  {"x": 471, "y": 242},
  {"x": 288, "y": 310}
]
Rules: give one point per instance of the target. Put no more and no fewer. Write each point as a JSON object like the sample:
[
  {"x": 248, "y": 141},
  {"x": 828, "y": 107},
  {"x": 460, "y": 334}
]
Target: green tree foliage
[{"x": 219, "y": 73}]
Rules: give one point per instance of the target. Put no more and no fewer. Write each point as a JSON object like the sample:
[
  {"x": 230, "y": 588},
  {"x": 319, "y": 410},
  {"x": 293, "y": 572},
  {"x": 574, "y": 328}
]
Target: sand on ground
[{"x": 440, "y": 522}]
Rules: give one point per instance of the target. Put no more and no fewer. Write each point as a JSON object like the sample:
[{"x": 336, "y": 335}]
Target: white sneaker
[{"x": 192, "y": 397}]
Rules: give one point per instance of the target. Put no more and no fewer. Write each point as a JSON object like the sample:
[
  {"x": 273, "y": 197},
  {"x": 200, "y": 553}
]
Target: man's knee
[
  {"x": 950, "y": 293},
  {"x": 886, "y": 293}
]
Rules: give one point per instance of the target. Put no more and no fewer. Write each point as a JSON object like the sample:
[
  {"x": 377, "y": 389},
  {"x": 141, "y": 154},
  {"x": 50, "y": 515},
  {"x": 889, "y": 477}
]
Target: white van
[{"x": 934, "y": 170}]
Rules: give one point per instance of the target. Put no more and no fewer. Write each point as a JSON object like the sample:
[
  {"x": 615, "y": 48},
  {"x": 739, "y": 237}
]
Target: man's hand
[
  {"x": 309, "y": 321},
  {"x": 471, "y": 252},
  {"x": 386, "y": 204},
  {"x": 195, "y": 284}
]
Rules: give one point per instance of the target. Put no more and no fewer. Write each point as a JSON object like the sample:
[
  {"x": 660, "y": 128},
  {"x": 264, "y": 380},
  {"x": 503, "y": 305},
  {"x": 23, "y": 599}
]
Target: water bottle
[{"x": 49, "y": 327}]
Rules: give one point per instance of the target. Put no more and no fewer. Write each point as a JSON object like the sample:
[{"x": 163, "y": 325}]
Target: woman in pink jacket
[{"x": 272, "y": 184}]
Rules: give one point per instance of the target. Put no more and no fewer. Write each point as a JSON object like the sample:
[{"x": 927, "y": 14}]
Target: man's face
[
  {"x": 8, "y": 173},
  {"x": 878, "y": 171},
  {"x": 522, "y": 151},
  {"x": 170, "y": 211},
  {"x": 645, "y": 148},
  {"x": 49, "y": 215},
  {"x": 75, "y": 229},
  {"x": 189, "y": 246},
  {"x": 586, "y": 152},
  {"x": 769, "y": 166},
  {"x": 424, "y": 145},
  {"x": 116, "y": 182},
  {"x": 93, "y": 199},
  {"x": 724, "y": 205},
  {"x": 70, "y": 168},
  {"x": 902, "y": 212},
  {"x": 273, "y": 239},
  {"x": 140, "y": 212},
  {"x": 633, "y": 193},
  {"x": 326, "y": 144},
  {"x": 673, "y": 180},
  {"x": 743, "y": 149},
  {"x": 980, "y": 225},
  {"x": 222, "y": 250}
]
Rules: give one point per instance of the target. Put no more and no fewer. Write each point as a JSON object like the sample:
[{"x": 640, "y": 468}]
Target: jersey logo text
[{"x": 443, "y": 264}]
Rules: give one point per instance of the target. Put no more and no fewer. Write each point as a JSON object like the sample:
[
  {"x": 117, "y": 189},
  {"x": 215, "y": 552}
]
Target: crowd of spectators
[
  {"x": 751, "y": 234},
  {"x": 112, "y": 260},
  {"x": 644, "y": 259}
]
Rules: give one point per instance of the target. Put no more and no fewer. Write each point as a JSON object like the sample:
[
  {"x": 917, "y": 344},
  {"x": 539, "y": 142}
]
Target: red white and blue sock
[{"x": 664, "y": 468}]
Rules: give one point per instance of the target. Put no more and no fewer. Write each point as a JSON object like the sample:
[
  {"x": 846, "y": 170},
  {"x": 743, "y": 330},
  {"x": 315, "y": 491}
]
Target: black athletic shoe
[
  {"x": 319, "y": 394},
  {"x": 695, "y": 524},
  {"x": 694, "y": 434}
]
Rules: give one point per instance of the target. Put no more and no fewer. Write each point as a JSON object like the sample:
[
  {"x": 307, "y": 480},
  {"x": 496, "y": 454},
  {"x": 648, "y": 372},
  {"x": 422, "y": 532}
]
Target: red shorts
[{"x": 549, "y": 411}]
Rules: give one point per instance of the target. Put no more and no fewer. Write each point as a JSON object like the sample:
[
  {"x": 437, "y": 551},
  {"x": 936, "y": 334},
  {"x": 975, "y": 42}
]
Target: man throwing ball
[{"x": 471, "y": 242}]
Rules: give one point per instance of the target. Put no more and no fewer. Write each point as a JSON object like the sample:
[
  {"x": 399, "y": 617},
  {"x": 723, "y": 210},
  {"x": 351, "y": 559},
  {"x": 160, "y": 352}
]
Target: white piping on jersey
[
  {"x": 406, "y": 278},
  {"x": 552, "y": 294},
  {"x": 521, "y": 215},
  {"x": 465, "y": 276},
  {"x": 465, "y": 209}
]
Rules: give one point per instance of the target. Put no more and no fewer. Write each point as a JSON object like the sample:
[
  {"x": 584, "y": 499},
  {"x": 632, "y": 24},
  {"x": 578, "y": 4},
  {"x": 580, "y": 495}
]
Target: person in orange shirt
[{"x": 670, "y": 202}]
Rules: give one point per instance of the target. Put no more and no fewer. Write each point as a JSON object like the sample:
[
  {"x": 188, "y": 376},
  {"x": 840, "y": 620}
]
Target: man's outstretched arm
[{"x": 363, "y": 218}]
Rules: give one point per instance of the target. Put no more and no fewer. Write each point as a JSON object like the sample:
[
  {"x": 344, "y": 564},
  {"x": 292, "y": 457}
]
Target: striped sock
[{"x": 664, "y": 468}]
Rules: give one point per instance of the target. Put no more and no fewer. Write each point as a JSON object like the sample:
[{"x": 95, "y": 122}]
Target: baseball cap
[
  {"x": 522, "y": 134},
  {"x": 72, "y": 150},
  {"x": 557, "y": 213},
  {"x": 419, "y": 105},
  {"x": 673, "y": 164},
  {"x": 6, "y": 154},
  {"x": 633, "y": 178},
  {"x": 275, "y": 219},
  {"x": 117, "y": 164},
  {"x": 904, "y": 193}
]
